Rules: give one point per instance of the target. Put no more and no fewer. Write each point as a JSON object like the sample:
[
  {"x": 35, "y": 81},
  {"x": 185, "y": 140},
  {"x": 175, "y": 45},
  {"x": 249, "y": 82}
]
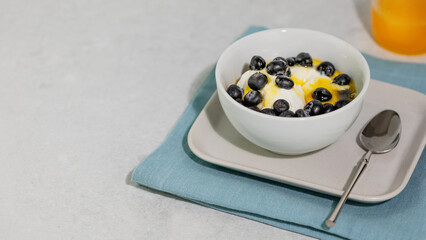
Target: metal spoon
[{"x": 380, "y": 135}]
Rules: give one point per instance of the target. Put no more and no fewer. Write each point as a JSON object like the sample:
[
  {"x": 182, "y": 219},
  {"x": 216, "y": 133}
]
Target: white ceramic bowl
[{"x": 282, "y": 135}]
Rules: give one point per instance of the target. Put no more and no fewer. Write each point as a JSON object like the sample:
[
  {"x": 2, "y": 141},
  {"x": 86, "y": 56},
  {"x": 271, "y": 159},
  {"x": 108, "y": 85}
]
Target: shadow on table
[
  {"x": 199, "y": 80},
  {"x": 363, "y": 10}
]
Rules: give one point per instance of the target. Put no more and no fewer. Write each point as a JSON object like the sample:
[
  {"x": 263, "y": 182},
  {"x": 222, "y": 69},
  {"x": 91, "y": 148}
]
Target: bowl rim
[{"x": 357, "y": 53}]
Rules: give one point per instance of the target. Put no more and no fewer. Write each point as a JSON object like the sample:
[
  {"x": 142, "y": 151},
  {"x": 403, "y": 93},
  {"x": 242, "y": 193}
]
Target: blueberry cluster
[{"x": 280, "y": 67}]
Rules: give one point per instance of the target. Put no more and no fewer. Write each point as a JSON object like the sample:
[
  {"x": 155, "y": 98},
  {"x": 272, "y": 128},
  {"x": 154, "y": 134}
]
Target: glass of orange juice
[{"x": 400, "y": 25}]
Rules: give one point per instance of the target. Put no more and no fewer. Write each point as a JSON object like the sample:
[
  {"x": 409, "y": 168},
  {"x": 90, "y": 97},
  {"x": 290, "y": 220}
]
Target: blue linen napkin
[{"x": 173, "y": 168}]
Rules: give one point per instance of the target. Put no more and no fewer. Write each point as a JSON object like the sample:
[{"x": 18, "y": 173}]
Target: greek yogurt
[{"x": 293, "y": 87}]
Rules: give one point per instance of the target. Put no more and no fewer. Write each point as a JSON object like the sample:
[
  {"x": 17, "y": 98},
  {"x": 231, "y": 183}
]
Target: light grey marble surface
[{"x": 90, "y": 88}]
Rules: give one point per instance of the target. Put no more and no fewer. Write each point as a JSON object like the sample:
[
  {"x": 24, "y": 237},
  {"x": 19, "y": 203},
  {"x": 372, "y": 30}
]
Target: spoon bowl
[{"x": 382, "y": 133}]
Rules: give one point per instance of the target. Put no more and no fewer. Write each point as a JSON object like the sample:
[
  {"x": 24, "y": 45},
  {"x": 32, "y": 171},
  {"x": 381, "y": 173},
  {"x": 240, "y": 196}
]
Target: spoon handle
[{"x": 361, "y": 167}]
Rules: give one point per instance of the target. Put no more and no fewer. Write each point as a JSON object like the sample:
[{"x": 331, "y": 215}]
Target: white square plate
[{"x": 214, "y": 139}]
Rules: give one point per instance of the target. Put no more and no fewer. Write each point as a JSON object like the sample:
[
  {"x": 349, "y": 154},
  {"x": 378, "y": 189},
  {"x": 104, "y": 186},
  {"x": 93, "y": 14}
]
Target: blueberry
[
  {"x": 257, "y": 63},
  {"x": 288, "y": 72},
  {"x": 304, "y": 59},
  {"x": 291, "y": 61},
  {"x": 326, "y": 68},
  {"x": 257, "y": 81},
  {"x": 276, "y": 67},
  {"x": 268, "y": 111},
  {"x": 239, "y": 100},
  {"x": 284, "y": 82},
  {"x": 252, "y": 98},
  {"x": 280, "y": 59},
  {"x": 322, "y": 94},
  {"x": 280, "y": 106},
  {"x": 287, "y": 113},
  {"x": 254, "y": 108},
  {"x": 301, "y": 113},
  {"x": 313, "y": 108},
  {"x": 344, "y": 94},
  {"x": 342, "y": 79},
  {"x": 328, "y": 107},
  {"x": 340, "y": 103},
  {"x": 234, "y": 91}
]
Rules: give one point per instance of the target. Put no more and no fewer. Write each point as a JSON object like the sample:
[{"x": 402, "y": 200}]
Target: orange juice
[{"x": 400, "y": 25}]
